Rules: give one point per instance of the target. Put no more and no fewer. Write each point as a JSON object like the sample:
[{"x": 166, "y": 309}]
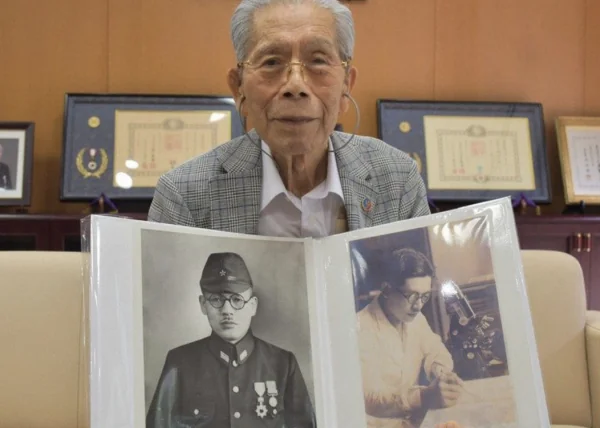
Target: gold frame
[{"x": 561, "y": 124}]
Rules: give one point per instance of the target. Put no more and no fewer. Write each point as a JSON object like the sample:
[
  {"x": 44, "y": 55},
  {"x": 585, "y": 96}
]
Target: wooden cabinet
[
  {"x": 30, "y": 232},
  {"x": 575, "y": 235}
]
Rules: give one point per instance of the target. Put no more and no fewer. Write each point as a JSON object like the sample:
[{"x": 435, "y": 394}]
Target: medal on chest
[
  {"x": 272, "y": 392},
  {"x": 261, "y": 409}
]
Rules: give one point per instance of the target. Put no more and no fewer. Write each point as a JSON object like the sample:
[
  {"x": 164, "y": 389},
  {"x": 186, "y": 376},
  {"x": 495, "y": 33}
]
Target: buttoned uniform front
[
  {"x": 211, "y": 383},
  {"x": 222, "y": 188}
]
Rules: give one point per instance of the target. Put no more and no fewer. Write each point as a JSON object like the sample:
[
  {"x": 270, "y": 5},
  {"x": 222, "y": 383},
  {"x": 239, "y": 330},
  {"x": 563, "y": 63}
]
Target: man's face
[
  {"x": 227, "y": 322},
  {"x": 402, "y": 303},
  {"x": 294, "y": 110}
]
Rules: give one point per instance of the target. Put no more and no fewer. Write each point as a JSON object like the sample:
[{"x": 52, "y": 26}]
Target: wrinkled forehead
[{"x": 285, "y": 27}]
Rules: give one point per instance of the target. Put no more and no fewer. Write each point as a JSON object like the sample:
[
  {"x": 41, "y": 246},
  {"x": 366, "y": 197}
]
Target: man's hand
[{"x": 444, "y": 391}]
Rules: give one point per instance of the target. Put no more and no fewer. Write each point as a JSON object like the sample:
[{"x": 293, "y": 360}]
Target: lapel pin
[{"x": 367, "y": 205}]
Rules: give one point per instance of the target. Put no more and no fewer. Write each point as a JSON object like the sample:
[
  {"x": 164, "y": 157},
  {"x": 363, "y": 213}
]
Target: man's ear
[
  {"x": 234, "y": 81},
  {"x": 202, "y": 304},
  {"x": 254, "y": 302},
  {"x": 349, "y": 82},
  {"x": 385, "y": 288}
]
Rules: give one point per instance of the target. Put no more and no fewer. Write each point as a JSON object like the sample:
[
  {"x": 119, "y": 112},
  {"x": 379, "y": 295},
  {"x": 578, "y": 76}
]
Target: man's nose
[
  {"x": 418, "y": 305},
  {"x": 227, "y": 308},
  {"x": 295, "y": 83}
]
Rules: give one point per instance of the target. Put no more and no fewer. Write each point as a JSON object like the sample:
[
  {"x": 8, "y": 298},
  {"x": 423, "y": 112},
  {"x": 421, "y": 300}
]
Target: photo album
[{"x": 411, "y": 324}]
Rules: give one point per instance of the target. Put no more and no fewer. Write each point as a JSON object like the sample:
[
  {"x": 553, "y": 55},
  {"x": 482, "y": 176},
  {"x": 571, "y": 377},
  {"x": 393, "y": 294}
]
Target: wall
[{"x": 512, "y": 50}]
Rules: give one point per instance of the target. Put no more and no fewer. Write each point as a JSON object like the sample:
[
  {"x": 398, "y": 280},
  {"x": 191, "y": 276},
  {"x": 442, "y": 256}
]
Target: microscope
[{"x": 476, "y": 342}]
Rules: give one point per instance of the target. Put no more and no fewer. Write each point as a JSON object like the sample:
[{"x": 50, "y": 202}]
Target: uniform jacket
[
  {"x": 213, "y": 384},
  {"x": 221, "y": 189},
  {"x": 5, "y": 182}
]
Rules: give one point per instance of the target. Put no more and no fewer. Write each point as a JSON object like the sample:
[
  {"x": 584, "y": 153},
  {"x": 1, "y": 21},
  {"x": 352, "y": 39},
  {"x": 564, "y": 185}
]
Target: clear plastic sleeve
[{"x": 410, "y": 324}]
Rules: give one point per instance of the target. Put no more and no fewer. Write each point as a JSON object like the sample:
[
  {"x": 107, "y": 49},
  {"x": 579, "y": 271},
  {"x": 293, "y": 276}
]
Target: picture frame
[
  {"x": 578, "y": 140},
  {"x": 470, "y": 151},
  {"x": 16, "y": 163},
  {"x": 118, "y": 145}
]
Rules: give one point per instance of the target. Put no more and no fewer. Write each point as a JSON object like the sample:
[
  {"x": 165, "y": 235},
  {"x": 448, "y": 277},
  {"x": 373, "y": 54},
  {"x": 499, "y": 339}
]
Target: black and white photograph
[
  {"x": 226, "y": 332},
  {"x": 429, "y": 329},
  {"x": 16, "y": 140}
]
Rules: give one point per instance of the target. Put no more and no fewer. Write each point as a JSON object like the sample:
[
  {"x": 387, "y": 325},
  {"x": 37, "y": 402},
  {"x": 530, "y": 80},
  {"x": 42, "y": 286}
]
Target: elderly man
[
  {"x": 231, "y": 378},
  {"x": 5, "y": 181},
  {"x": 396, "y": 343},
  {"x": 292, "y": 174}
]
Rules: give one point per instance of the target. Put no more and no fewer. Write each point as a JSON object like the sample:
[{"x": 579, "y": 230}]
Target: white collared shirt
[{"x": 316, "y": 214}]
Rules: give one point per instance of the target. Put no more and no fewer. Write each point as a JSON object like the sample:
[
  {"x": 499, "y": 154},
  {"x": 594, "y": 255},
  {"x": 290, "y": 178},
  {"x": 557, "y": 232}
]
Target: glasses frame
[
  {"x": 228, "y": 299},
  {"x": 288, "y": 66},
  {"x": 410, "y": 296}
]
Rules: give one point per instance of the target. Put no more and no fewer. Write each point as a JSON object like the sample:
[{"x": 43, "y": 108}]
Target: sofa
[{"x": 41, "y": 301}]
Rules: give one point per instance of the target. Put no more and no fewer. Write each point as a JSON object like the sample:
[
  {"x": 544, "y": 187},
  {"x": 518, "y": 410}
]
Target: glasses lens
[
  {"x": 237, "y": 301},
  {"x": 216, "y": 301}
]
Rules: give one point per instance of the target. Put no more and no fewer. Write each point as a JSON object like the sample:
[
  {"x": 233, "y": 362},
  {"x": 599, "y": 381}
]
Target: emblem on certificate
[
  {"x": 261, "y": 409},
  {"x": 405, "y": 126},
  {"x": 92, "y": 162},
  {"x": 94, "y": 122}
]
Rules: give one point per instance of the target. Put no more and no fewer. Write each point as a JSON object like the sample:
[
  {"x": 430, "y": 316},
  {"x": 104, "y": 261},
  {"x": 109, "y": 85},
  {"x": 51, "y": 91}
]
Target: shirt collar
[
  {"x": 273, "y": 185},
  {"x": 231, "y": 354}
]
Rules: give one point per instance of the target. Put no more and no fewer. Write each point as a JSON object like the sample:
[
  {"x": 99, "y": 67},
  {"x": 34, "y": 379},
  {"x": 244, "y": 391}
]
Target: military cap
[{"x": 225, "y": 272}]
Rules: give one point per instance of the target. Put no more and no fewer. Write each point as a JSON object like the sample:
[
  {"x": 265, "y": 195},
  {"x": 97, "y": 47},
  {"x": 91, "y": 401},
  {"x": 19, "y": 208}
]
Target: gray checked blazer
[{"x": 221, "y": 189}]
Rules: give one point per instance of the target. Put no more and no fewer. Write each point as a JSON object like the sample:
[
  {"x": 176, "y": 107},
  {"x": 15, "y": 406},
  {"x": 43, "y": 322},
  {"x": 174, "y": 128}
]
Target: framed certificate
[
  {"x": 471, "y": 151},
  {"x": 118, "y": 145},
  {"x": 579, "y": 151},
  {"x": 16, "y": 163}
]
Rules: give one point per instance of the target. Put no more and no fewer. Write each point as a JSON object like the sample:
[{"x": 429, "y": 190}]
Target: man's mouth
[
  {"x": 298, "y": 120},
  {"x": 228, "y": 323}
]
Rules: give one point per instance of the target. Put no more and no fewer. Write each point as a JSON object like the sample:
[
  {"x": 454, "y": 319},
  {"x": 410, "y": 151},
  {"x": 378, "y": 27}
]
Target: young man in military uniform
[{"x": 230, "y": 378}]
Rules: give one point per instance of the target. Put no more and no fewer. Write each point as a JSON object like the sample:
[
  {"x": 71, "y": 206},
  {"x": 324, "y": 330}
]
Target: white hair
[{"x": 242, "y": 19}]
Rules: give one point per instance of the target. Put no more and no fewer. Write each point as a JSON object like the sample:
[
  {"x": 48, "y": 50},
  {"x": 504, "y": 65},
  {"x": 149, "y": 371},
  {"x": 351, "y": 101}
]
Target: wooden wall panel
[
  {"x": 592, "y": 58},
  {"x": 514, "y": 50},
  {"x": 394, "y": 55},
  {"x": 47, "y": 49},
  {"x": 523, "y": 50},
  {"x": 162, "y": 46}
]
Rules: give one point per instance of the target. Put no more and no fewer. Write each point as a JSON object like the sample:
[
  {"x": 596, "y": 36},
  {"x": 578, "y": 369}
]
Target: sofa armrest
[{"x": 592, "y": 335}]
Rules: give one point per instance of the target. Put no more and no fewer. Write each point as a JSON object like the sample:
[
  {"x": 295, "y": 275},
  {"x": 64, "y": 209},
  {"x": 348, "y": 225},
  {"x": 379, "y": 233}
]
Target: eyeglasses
[
  {"x": 236, "y": 301},
  {"x": 414, "y": 297},
  {"x": 319, "y": 71}
]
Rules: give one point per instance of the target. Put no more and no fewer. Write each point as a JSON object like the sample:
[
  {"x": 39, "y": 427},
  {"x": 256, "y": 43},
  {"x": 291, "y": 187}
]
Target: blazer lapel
[
  {"x": 360, "y": 191},
  {"x": 235, "y": 195}
]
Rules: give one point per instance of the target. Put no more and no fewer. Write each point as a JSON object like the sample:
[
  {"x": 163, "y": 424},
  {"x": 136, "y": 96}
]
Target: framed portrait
[
  {"x": 119, "y": 145},
  {"x": 579, "y": 152},
  {"x": 16, "y": 163},
  {"x": 471, "y": 151}
]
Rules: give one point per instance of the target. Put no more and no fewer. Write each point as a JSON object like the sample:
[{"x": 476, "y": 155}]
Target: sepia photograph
[
  {"x": 429, "y": 329},
  {"x": 226, "y": 332}
]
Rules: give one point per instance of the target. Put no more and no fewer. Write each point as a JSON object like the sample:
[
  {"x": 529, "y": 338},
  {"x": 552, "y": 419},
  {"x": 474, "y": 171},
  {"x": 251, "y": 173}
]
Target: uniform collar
[
  {"x": 272, "y": 185},
  {"x": 232, "y": 354}
]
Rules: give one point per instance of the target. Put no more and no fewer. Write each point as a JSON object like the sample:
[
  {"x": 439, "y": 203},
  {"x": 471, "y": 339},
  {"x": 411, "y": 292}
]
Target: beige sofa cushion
[
  {"x": 557, "y": 299},
  {"x": 40, "y": 307}
]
